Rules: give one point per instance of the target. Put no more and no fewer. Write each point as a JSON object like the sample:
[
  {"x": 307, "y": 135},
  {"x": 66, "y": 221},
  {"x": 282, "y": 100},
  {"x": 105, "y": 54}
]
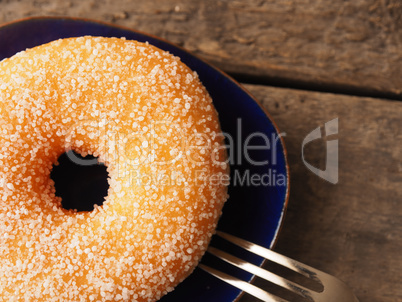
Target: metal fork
[{"x": 334, "y": 290}]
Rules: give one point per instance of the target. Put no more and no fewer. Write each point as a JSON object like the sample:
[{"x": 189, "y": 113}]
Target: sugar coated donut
[{"x": 144, "y": 114}]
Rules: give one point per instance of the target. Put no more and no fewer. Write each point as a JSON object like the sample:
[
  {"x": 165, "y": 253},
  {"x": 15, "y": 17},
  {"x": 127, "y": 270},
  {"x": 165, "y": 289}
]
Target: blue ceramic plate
[{"x": 259, "y": 172}]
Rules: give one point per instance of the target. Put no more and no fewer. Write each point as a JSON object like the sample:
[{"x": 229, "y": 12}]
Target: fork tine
[
  {"x": 333, "y": 289},
  {"x": 260, "y": 272},
  {"x": 294, "y": 265},
  {"x": 244, "y": 286}
]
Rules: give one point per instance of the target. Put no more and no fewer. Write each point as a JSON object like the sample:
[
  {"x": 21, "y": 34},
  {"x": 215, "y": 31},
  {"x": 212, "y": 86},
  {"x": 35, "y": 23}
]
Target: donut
[{"x": 148, "y": 118}]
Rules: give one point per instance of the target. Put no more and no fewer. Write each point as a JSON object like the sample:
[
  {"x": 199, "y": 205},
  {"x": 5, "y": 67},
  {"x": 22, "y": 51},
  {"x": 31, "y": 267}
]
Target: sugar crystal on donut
[{"x": 149, "y": 119}]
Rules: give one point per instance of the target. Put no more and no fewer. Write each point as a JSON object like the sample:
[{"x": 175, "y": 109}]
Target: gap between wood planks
[{"x": 311, "y": 86}]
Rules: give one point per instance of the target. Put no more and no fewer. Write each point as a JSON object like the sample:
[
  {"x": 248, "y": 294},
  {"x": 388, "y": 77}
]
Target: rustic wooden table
[{"x": 308, "y": 62}]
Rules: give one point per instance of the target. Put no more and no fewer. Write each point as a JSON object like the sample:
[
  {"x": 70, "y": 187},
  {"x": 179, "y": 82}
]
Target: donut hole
[{"x": 81, "y": 182}]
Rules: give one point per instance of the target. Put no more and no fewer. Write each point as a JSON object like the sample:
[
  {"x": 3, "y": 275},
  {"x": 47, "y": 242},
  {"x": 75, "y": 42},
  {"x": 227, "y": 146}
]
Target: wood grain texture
[
  {"x": 347, "y": 45},
  {"x": 353, "y": 229}
]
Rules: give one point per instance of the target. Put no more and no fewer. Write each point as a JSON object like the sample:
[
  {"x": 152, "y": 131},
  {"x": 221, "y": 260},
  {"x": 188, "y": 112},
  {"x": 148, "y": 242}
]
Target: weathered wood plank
[
  {"x": 346, "y": 45},
  {"x": 353, "y": 229}
]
